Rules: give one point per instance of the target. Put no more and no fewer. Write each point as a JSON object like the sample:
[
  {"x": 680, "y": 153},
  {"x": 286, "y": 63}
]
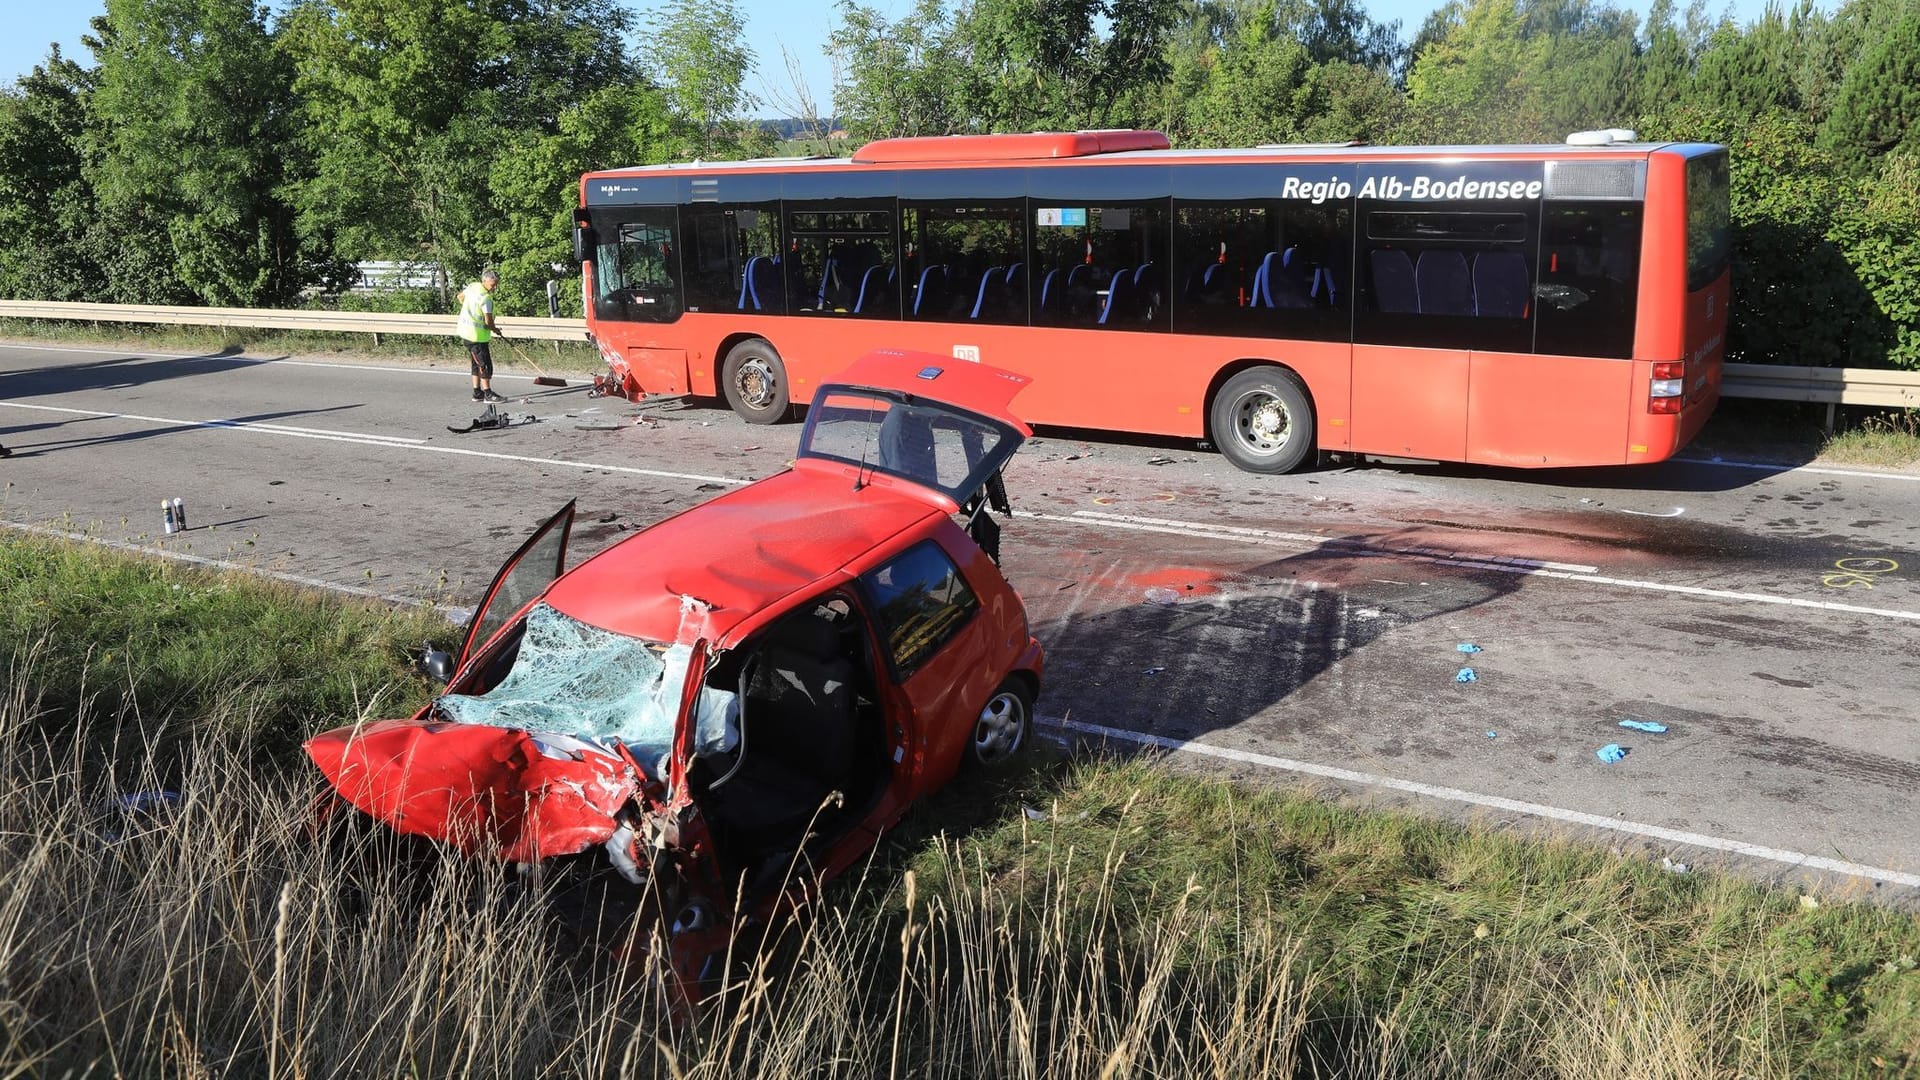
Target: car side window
[{"x": 922, "y": 602}]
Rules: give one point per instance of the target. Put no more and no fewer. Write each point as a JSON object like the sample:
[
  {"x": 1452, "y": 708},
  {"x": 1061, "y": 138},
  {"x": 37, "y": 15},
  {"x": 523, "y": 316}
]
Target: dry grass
[
  {"x": 1151, "y": 925},
  {"x": 1887, "y": 439}
]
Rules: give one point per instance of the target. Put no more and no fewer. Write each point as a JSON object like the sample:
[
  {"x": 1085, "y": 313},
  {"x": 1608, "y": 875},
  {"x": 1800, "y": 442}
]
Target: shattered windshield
[
  {"x": 572, "y": 678},
  {"x": 934, "y": 445}
]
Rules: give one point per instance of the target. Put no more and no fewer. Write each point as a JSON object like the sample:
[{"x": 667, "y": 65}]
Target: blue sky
[{"x": 802, "y": 27}]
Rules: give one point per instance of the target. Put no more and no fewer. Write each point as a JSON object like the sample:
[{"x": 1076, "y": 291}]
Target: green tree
[
  {"x": 200, "y": 135},
  {"x": 1749, "y": 71},
  {"x": 1877, "y": 109},
  {"x": 408, "y": 103},
  {"x": 1522, "y": 70},
  {"x": 46, "y": 204},
  {"x": 1047, "y": 64},
  {"x": 699, "y": 47},
  {"x": 897, "y": 77},
  {"x": 1251, "y": 90},
  {"x": 536, "y": 187}
]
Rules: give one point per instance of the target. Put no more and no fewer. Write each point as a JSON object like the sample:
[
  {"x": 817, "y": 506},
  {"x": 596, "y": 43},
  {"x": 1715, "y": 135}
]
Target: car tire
[
  {"x": 1262, "y": 420},
  {"x": 754, "y": 381},
  {"x": 1004, "y": 726}
]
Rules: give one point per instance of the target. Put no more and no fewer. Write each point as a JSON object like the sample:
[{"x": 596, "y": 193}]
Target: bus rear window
[{"x": 1707, "y": 220}]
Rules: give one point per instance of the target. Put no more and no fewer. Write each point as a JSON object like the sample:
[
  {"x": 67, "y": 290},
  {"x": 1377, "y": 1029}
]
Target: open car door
[{"x": 531, "y": 569}]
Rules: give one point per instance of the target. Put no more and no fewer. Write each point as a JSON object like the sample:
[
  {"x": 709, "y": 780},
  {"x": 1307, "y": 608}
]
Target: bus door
[{"x": 1569, "y": 399}]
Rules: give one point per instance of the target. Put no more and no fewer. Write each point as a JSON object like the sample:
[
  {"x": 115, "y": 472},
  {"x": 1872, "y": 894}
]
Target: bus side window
[
  {"x": 1265, "y": 269},
  {"x": 1446, "y": 276},
  {"x": 967, "y": 262},
  {"x": 1107, "y": 267},
  {"x": 730, "y": 257},
  {"x": 1589, "y": 277},
  {"x": 840, "y": 260}
]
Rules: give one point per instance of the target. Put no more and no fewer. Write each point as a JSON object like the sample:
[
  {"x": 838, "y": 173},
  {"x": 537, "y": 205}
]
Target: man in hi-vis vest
[{"x": 476, "y": 329}]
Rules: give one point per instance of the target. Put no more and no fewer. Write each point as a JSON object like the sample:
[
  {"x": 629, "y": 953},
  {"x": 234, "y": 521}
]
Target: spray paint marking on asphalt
[
  {"x": 391, "y": 441},
  {"x": 1797, "y": 859},
  {"x": 1529, "y": 567}
]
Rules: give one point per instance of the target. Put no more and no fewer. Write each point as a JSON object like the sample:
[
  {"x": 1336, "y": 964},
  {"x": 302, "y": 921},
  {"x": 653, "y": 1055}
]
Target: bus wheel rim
[
  {"x": 755, "y": 383},
  {"x": 1261, "y": 421}
]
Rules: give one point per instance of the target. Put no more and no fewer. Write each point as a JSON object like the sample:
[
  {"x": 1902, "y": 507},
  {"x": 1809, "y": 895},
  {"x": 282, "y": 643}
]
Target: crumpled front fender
[{"x": 485, "y": 790}]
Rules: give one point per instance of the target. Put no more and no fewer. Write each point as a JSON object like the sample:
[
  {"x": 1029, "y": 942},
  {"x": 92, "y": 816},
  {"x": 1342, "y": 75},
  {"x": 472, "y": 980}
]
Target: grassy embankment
[
  {"x": 1770, "y": 431},
  {"x": 1151, "y": 925}
]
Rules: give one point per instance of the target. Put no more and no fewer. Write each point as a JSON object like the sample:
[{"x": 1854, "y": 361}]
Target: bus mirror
[{"x": 582, "y": 238}]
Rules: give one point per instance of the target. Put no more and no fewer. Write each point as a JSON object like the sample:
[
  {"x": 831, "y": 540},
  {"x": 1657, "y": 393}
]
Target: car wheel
[
  {"x": 1262, "y": 421},
  {"x": 1003, "y": 727},
  {"x": 755, "y": 382}
]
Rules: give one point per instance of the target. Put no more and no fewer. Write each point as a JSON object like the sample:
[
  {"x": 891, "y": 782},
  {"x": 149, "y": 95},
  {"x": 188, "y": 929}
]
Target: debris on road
[
  {"x": 1159, "y": 461},
  {"x": 1648, "y": 726},
  {"x": 1611, "y": 753},
  {"x": 1466, "y": 675},
  {"x": 1152, "y": 670},
  {"x": 493, "y": 420},
  {"x": 1493, "y": 734},
  {"x": 1468, "y": 647},
  {"x": 1672, "y": 867}
]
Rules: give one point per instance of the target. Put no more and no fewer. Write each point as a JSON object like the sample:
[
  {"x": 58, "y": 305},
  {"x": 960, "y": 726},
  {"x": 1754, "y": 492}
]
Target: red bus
[{"x": 1506, "y": 305}]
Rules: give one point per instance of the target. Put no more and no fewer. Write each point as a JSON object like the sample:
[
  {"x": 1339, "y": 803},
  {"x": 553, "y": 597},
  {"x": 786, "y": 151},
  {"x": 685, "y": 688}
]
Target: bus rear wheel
[
  {"x": 755, "y": 382},
  {"x": 1262, "y": 421}
]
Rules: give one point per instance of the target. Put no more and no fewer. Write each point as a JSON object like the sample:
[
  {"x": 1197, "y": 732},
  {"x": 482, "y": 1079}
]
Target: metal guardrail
[
  {"x": 1775, "y": 382},
  {"x": 362, "y": 322},
  {"x": 1832, "y": 386}
]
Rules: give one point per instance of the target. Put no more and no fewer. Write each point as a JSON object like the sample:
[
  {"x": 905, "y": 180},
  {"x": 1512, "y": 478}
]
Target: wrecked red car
[{"x": 762, "y": 682}]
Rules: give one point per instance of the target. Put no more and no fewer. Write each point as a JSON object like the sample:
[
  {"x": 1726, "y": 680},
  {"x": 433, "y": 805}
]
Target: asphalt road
[{"x": 1290, "y": 629}]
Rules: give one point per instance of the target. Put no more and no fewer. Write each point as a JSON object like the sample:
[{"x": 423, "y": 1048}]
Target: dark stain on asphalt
[{"x": 1795, "y": 683}]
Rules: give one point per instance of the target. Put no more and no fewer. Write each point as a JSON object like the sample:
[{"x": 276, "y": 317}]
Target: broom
[{"x": 544, "y": 378}]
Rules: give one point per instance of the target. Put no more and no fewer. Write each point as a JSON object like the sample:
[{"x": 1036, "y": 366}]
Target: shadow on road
[
  {"x": 33, "y": 449},
  {"x": 1182, "y": 652},
  {"x": 119, "y": 373}
]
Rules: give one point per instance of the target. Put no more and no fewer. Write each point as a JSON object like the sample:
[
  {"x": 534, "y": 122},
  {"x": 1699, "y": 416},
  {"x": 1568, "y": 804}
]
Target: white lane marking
[
  {"x": 1737, "y": 847},
  {"x": 395, "y": 442},
  {"x": 1563, "y": 571},
  {"x": 1252, "y": 535},
  {"x": 228, "y": 565},
  {"x": 1821, "y": 469},
  {"x": 241, "y": 425}
]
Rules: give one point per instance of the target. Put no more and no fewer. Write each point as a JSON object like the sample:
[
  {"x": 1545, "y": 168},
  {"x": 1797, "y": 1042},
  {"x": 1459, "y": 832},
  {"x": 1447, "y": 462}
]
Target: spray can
[
  {"x": 180, "y": 514},
  {"x": 166, "y": 510}
]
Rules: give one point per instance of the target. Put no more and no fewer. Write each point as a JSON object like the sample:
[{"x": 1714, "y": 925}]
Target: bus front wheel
[
  {"x": 755, "y": 382},
  {"x": 1261, "y": 420}
]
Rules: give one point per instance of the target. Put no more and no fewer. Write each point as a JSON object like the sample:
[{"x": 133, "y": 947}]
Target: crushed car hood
[{"x": 479, "y": 788}]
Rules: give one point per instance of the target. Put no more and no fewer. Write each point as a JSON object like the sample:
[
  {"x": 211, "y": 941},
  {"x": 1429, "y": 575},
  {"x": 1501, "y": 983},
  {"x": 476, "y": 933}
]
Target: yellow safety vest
[{"x": 475, "y": 305}]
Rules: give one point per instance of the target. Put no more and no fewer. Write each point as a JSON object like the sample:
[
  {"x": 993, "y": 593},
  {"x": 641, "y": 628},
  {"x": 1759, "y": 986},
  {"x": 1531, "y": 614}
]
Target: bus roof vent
[
  {"x": 1026, "y": 147},
  {"x": 1603, "y": 137},
  {"x": 1615, "y": 179}
]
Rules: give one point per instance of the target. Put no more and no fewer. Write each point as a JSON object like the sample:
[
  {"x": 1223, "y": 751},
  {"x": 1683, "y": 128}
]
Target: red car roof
[{"x": 740, "y": 553}]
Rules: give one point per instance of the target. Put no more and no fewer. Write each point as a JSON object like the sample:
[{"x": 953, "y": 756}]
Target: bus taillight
[{"x": 1666, "y": 395}]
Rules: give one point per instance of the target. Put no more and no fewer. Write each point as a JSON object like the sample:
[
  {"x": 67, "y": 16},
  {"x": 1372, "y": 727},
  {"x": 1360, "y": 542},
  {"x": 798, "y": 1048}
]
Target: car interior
[{"x": 810, "y": 727}]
